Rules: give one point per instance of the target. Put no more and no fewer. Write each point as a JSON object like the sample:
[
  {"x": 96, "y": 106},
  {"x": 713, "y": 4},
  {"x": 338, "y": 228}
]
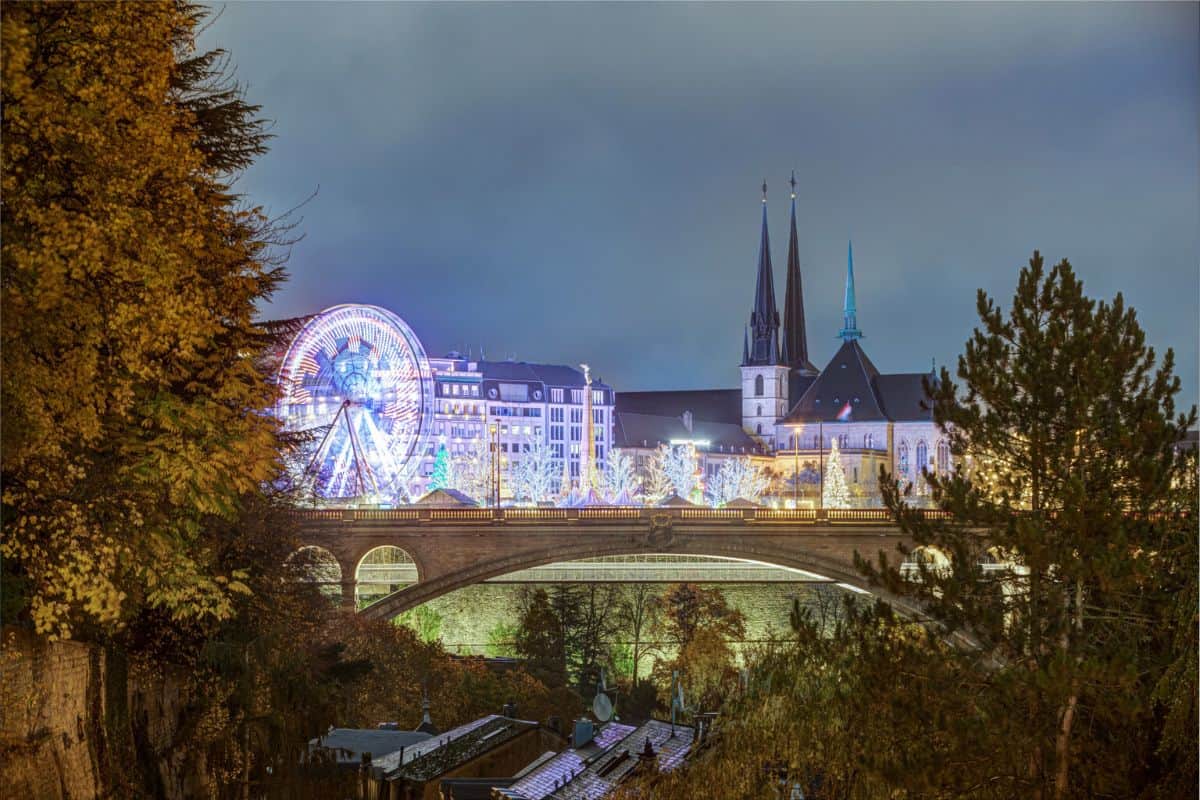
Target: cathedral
[{"x": 788, "y": 414}]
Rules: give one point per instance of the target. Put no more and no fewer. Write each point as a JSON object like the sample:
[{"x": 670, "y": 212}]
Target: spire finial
[
  {"x": 850, "y": 329},
  {"x": 764, "y": 190},
  {"x": 793, "y": 184}
]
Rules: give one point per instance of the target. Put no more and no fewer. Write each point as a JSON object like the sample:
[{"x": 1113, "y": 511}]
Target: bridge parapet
[{"x": 416, "y": 515}]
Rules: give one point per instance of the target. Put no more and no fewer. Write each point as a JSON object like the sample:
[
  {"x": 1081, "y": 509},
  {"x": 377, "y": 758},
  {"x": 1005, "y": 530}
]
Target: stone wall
[
  {"x": 75, "y": 724},
  {"x": 49, "y": 696}
]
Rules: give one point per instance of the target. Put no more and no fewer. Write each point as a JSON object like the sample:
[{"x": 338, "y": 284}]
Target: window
[
  {"x": 922, "y": 456},
  {"x": 577, "y": 395},
  {"x": 816, "y": 440},
  {"x": 598, "y": 396},
  {"x": 856, "y": 474},
  {"x": 758, "y": 413},
  {"x": 760, "y": 426},
  {"x": 556, "y": 396},
  {"x": 903, "y": 467},
  {"x": 843, "y": 441},
  {"x": 869, "y": 441},
  {"x": 758, "y": 389},
  {"x": 943, "y": 456}
]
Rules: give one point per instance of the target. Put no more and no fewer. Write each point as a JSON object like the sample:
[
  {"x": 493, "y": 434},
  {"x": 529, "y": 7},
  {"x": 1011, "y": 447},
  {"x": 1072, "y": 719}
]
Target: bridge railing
[{"x": 600, "y": 514}]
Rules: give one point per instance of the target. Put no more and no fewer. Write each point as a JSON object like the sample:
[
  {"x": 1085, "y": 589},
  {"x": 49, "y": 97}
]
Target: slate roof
[
  {"x": 550, "y": 775},
  {"x": 849, "y": 377},
  {"x": 348, "y": 744},
  {"x": 439, "y": 754},
  {"x": 584, "y": 775},
  {"x": 557, "y": 375},
  {"x": 709, "y": 405},
  {"x": 647, "y": 430},
  {"x": 903, "y": 395}
]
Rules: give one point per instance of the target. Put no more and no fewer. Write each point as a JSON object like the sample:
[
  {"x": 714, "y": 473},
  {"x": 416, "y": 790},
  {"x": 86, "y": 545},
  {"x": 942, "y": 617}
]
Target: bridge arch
[
  {"x": 317, "y": 565},
  {"x": 842, "y": 575},
  {"x": 381, "y": 571}
]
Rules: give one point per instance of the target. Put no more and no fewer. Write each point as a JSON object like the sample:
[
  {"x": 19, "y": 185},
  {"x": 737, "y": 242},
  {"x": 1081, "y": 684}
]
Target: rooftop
[
  {"x": 436, "y": 755},
  {"x": 594, "y": 770},
  {"x": 349, "y": 744}
]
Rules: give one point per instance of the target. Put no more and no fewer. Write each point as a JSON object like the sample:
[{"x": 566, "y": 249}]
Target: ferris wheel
[{"x": 355, "y": 381}]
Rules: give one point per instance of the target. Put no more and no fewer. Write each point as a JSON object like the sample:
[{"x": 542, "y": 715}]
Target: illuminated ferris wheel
[{"x": 356, "y": 383}]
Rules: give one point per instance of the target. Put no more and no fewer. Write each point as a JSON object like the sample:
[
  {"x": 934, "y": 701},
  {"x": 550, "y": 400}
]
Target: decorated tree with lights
[
  {"x": 657, "y": 485},
  {"x": 534, "y": 475},
  {"x": 836, "y": 494},
  {"x": 679, "y": 464},
  {"x": 471, "y": 472},
  {"x": 618, "y": 478},
  {"x": 737, "y": 478},
  {"x": 443, "y": 470}
]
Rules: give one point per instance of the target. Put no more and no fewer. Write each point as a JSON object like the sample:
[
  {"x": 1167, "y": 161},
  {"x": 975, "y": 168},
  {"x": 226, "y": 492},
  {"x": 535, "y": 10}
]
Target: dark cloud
[{"x": 579, "y": 182}]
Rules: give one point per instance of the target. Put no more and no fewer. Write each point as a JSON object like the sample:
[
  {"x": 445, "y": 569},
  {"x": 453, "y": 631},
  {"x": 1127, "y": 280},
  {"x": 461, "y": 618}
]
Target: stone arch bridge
[{"x": 457, "y": 547}]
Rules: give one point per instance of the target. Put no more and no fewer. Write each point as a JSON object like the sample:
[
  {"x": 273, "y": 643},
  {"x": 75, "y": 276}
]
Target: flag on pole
[{"x": 844, "y": 414}]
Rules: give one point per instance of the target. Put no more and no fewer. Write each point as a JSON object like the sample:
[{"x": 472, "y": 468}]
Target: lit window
[{"x": 758, "y": 388}]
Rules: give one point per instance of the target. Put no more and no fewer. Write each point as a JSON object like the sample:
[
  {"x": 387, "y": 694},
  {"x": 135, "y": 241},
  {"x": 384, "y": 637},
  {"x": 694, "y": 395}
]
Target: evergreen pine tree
[{"x": 1066, "y": 405}]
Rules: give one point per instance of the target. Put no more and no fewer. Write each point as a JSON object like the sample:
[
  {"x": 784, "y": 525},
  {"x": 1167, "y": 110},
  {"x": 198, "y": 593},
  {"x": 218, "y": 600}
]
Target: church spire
[
  {"x": 850, "y": 329},
  {"x": 764, "y": 318},
  {"x": 795, "y": 338}
]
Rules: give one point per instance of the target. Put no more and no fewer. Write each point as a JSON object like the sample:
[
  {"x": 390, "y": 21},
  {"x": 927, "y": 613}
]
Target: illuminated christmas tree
[
  {"x": 836, "y": 493},
  {"x": 442, "y": 477}
]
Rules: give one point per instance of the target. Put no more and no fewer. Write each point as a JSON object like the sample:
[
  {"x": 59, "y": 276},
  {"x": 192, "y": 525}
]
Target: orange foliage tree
[{"x": 130, "y": 276}]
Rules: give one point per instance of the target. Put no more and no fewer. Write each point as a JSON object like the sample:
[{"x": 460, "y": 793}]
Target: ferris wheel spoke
[{"x": 361, "y": 464}]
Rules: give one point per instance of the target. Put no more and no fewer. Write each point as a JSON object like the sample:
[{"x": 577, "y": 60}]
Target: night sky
[{"x": 568, "y": 183}]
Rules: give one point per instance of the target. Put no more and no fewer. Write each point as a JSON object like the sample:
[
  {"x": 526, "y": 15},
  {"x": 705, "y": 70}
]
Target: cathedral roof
[
  {"x": 848, "y": 378},
  {"x": 903, "y": 396},
  {"x": 651, "y": 430},
  {"x": 708, "y": 405}
]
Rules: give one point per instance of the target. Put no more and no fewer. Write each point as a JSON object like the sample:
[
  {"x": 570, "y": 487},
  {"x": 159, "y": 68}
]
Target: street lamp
[
  {"x": 796, "y": 466},
  {"x": 494, "y": 473}
]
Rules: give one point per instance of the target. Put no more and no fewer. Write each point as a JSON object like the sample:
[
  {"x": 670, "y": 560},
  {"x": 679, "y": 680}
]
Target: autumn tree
[
  {"x": 131, "y": 396},
  {"x": 687, "y": 608}
]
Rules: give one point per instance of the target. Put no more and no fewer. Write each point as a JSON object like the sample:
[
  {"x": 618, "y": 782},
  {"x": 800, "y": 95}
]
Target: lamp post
[
  {"x": 494, "y": 473},
  {"x": 821, "y": 456},
  {"x": 796, "y": 467}
]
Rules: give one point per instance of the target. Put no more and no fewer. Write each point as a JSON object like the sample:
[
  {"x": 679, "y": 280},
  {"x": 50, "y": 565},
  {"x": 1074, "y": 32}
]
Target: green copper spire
[{"x": 850, "y": 329}]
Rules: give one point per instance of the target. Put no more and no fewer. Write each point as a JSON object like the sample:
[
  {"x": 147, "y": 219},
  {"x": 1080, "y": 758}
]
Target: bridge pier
[{"x": 349, "y": 589}]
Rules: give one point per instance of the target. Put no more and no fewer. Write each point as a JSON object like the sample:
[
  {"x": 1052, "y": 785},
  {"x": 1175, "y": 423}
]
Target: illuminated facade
[{"x": 517, "y": 405}]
